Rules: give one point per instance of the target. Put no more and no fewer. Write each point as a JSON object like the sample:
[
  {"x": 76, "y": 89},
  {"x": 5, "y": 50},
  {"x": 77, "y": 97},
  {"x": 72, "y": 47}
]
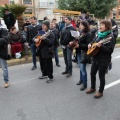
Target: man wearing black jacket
[
  {"x": 46, "y": 52},
  {"x": 9, "y": 19},
  {"x": 56, "y": 42},
  {"x": 32, "y": 31},
  {"x": 66, "y": 38},
  {"x": 4, "y": 54}
]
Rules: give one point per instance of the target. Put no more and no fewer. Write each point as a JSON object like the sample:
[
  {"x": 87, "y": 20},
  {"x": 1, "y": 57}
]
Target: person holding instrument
[
  {"x": 102, "y": 59},
  {"x": 81, "y": 47},
  {"x": 45, "y": 52}
]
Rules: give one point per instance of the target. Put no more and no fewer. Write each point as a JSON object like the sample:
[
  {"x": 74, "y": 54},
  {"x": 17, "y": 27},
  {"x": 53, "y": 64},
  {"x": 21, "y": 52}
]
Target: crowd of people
[{"x": 50, "y": 35}]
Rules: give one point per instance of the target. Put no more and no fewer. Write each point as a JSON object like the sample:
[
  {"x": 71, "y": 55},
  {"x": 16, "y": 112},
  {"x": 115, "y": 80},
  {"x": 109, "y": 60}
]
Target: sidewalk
[
  {"x": 23, "y": 60},
  {"x": 29, "y": 60}
]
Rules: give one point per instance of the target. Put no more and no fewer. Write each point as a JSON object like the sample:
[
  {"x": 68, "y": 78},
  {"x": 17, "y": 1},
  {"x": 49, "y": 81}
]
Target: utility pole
[{"x": 34, "y": 7}]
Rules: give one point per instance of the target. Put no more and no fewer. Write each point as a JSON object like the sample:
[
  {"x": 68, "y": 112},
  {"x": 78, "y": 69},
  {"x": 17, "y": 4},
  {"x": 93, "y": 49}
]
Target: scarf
[{"x": 104, "y": 34}]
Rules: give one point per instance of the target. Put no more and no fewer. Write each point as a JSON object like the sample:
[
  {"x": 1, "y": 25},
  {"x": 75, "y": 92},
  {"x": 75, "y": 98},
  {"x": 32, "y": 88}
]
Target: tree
[
  {"x": 100, "y": 8},
  {"x": 17, "y": 10}
]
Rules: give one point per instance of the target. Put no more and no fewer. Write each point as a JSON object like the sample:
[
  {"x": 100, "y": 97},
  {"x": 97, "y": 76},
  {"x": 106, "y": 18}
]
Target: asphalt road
[{"x": 29, "y": 98}]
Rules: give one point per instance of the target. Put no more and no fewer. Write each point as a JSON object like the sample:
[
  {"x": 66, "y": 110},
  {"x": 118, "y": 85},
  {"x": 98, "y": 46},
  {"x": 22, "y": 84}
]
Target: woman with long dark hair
[
  {"x": 102, "y": 59},
  {"x": 83, "y": 42}
]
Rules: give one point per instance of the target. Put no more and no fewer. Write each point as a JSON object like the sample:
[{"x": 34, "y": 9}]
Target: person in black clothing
[
  {"x": 9, "y": 19},
  {"x": 46, "y": 52},
  {"x": 65, "y": 39},
  {"x": 115, "y": 34},
  {"x": 102, "y": 59},
  {"x": 45, "y": 18},
  {"x": 115, "y": 29},
  {"x": 32, "y": 31},
  {"x": 4, "y": 54},
  {"x": 78, "y": 23},
  {"x": 62, "y": 24},
  {"x": 56, "y": 42},
  {"x": 82, "y": 47},
  {"x": 56, "y": 25},
  {"x": 27, "y": 22}
]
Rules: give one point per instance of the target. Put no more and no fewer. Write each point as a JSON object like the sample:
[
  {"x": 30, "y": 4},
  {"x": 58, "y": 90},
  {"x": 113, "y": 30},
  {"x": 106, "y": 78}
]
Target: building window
[
  {"x": 27, "y": 1},
  {"x": 43, "y": 3},
  {"x": 28, "y": 11},
  {"x": 51, "y": 2},
  {"x": 114, "y": 14}
]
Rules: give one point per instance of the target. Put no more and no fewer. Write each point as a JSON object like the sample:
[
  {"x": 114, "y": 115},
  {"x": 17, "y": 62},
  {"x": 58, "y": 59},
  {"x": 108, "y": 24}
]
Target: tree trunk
[{"x": 20, "y": 22}]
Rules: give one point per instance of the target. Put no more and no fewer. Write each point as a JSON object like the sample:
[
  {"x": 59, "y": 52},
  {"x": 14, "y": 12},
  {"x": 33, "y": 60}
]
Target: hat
[{"x": 47, "y": 23}]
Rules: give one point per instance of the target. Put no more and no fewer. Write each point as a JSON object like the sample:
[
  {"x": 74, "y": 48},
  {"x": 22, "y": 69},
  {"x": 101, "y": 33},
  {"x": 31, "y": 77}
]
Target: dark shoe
[
  {"x": 33, "y": 68},
  {"x": 98, "y": 95},
  {"x": 79, "y": 83},
  {"x": 58, "y": 65},
  {"x": 73, "y": 60},
  {"x": 42, "y": 77},
  {"x": 49, "y": 80},
  {"x": 106, "y": 71},
  {"x": 110, "y": 66},
  {"x": 83, "y": 87},
  {"x": 68, "y": 75},
  {"x": 64, "y": 72},
  {"x": 89, "y": 91}
]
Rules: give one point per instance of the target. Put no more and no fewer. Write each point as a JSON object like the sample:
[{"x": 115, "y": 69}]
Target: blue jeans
[
  {"x": 33, "y": 50},
  {"x": 83, "y": 72},
  {"x": 56, "y": 55},
  {"x": 67, "y": 53},
  {"x": 3, "y": 64}
]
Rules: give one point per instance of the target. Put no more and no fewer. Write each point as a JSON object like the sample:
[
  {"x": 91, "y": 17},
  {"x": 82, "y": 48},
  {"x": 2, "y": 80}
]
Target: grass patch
[{"x": 118, "y": 40}]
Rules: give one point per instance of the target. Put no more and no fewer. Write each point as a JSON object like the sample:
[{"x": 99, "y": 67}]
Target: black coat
[
  {"x": 57, "y": 36},
  {"x": 9, "y": 19},
  {"x": 103, "y": 57},
  {"x": 3, "y": 43},
  {"x": 46, "y": 47},
  {"x": 32, "y": 31},
  {"x": 66, "y": 35},
  {"x": 84, "y": 41}
]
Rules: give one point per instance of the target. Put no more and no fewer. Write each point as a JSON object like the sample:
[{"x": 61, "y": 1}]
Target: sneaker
[
  {"x": 89, "y": 91},
  {"x": 110, "y": 66},
  {"x": 63, "y": 73},
  {"x": 42, "y": 77},
  {"x": 6, "y": 85},
  {"x": 98, "y": 95},
  {"x": 68, "y": 75},
  {"x": 33, "y": 68},
  {"x": 49, "y": 80},
  {"x": 58, "y": 65},
  {"x": 83, "y": 87},
  {"x": 79, "y": 83}
]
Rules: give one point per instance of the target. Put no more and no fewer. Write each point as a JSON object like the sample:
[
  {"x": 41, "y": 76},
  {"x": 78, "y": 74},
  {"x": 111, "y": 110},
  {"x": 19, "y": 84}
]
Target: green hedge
[{"x": 118, "y": 40}]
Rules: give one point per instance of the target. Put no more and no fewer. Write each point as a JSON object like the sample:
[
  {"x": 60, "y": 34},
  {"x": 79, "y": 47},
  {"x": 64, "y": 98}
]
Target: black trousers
[
  {"x": 101, "y": 71},
  {"x": 46, "y": 66}
]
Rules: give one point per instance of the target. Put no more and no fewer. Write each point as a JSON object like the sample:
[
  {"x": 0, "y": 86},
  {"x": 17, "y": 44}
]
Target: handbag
[{"x": 85, "y": 58}]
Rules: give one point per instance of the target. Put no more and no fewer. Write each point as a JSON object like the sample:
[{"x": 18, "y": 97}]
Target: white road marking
[
  {"x": 116, "y": 57},
  {"x": 112, "y": 84}
]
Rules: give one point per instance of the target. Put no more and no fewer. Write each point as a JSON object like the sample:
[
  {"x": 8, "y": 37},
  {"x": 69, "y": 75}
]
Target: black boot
[
  {"x": 79, "y": 83},
  {"x": 83, "y": 87}
]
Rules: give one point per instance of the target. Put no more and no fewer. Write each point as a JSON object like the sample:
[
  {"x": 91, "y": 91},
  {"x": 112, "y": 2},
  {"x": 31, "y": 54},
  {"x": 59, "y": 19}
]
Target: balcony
[{"x": 46, "y": 4}]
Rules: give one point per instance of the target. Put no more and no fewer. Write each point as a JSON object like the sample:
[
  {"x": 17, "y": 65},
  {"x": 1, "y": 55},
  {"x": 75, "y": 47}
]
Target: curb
[
  {"x": 117, "y": 45},
  {"x": 13, "y": 62}
]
